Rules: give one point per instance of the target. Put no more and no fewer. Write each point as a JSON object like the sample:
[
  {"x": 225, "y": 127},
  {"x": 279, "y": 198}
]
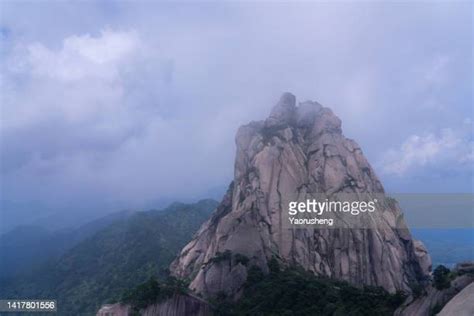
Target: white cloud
[
  {"x": 449, "y": 149},
  {"x": 76, "y": 83},
  {"x": 72, "y": 99},
  {"x": 84, "y": 56},
  {"x": 92, "y": 116}
]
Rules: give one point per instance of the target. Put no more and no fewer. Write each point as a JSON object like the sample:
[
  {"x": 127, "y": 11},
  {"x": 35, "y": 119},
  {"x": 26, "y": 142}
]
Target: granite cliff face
[{"x": 298, "y": 151}]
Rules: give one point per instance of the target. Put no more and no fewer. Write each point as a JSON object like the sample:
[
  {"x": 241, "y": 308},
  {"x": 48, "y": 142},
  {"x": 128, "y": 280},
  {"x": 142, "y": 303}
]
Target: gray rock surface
[
  {"x": 433, "y": 299},
  {"x": 465, "y": 267},
  {"x": 114, "y": 310},
  {"x": 296, "y": 152},
  {"x": 179, "y": 305},
  {"x": 462, "y": 304},
  {"x": 423, "y": 256}
]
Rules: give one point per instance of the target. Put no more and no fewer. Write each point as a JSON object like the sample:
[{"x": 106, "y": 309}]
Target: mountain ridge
[{"x": 125, "y": 253}]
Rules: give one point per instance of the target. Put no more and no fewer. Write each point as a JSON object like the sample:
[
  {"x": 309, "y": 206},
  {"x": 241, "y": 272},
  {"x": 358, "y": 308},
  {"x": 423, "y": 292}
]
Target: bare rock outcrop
[
  {"x": 462, "y": 304},
  {"x": 423, "y": 256},
  {"x": 176, "y": 305},
  {"x": 433, "y": 299},
  {"x": 114, "y": 310},
  {"x": 299, "y": 151},
  {"x": 179, "y": 305}
]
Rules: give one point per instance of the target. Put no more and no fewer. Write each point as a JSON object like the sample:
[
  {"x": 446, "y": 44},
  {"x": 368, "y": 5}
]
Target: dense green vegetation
[
  {"x": 152, "y": 291},
  {"x": 442, "y": 277},
  {"x": 119, "y": 257},
  {"x": 26, "y": 247},
  {"x": 297, "y": 292}
]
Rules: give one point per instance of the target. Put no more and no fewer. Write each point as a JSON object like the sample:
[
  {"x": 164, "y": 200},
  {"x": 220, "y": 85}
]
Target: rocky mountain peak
[
  {"x": 284, "y": 112},
  {"x": 296, "y": 152}
]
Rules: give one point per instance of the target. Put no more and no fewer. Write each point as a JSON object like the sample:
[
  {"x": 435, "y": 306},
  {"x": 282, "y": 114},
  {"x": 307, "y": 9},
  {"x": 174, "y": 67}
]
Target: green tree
[
  {"x": 441, "y": 277},
  {"x": 274, "y": 266}
]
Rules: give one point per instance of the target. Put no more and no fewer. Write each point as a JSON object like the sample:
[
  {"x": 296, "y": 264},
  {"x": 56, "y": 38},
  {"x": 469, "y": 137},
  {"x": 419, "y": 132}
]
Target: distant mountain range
[
  {"x": 116, "y": 252},
  {"x": 26, "y": 247}
]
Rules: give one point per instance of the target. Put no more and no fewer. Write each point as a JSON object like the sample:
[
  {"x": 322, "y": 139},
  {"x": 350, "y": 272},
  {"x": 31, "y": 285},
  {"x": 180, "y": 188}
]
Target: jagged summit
[
  {"x": 284, "y": 112},
  {"x": 296, "y": 151}
]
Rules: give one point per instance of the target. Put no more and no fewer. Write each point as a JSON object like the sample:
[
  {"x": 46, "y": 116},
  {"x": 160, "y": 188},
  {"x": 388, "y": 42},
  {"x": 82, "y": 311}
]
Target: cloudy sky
[{"x": 108, "y": 105}]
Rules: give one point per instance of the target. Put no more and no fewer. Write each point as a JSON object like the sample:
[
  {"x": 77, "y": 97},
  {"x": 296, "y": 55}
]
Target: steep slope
[
  {"x": 114, "y": 259},
  {"x": 462, "y": 304},
  {"x": 431, "y": 299},
  {"x": 28, "y": 246},
  {"x": 299, "y": 151}
]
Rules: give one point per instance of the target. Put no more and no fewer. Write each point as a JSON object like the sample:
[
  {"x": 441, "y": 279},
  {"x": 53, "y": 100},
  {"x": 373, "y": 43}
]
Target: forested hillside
[{"x": 118, "y": 257}]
